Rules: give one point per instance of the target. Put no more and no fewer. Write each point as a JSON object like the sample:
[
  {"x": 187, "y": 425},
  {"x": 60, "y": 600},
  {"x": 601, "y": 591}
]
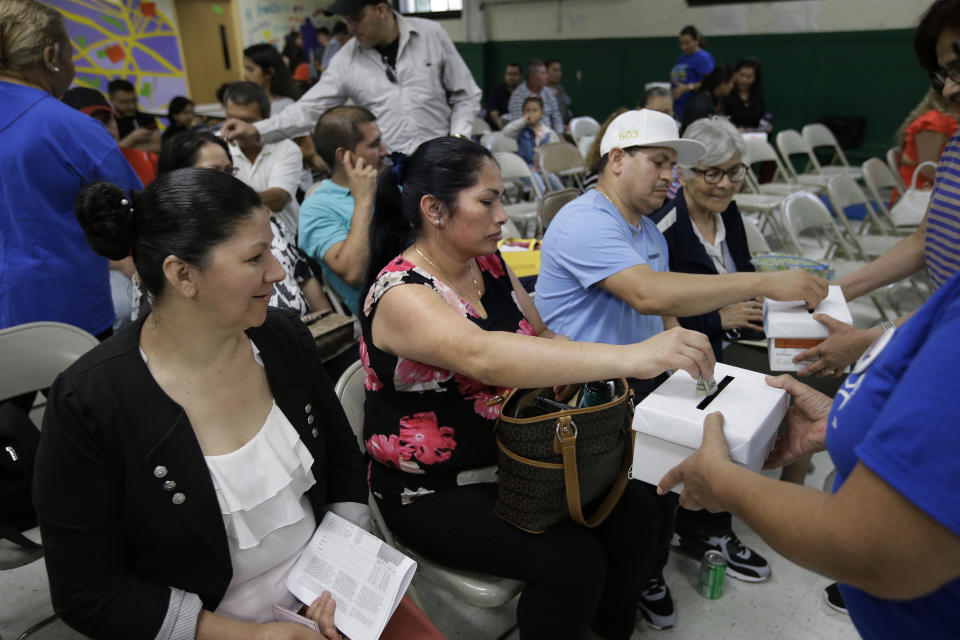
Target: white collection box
[
  {"x": 791, "y": 329},
  {"x": 669, "y": 422}
]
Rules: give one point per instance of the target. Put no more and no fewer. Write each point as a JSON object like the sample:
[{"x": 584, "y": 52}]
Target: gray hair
[
  {"x": 26, "y": 28},
  {"x": 244, "y": 92},
  {"x": 533, "y": 65},
  {"x": 721, "y": 139},
  {"x": 656, "y": 90}
]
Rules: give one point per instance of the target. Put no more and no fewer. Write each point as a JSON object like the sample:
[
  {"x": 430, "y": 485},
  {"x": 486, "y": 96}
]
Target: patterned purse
[{"x": 551, "y": 465}]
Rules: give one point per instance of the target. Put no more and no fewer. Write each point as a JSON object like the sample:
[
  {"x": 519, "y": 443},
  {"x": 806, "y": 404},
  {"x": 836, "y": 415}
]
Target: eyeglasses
[
  {"x": 714, "y": 175},
  {"x": 940, "y": 76},
  {"x": 391, "y": 71}
]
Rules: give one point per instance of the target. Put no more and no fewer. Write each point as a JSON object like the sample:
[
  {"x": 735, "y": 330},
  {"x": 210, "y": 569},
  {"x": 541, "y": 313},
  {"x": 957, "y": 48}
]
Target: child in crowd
[{"x": 532, "y": 133}]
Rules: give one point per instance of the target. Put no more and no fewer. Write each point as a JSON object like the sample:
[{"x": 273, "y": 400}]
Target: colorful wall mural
[{"x": 132, "y": 39}]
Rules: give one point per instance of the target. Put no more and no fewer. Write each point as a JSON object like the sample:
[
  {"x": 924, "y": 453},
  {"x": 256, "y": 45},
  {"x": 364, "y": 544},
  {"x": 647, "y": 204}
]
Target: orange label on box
[{"x": 796, "y": 343}]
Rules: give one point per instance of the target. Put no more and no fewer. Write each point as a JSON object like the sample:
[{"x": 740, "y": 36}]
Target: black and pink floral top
[{"x": 428, "y": 429}]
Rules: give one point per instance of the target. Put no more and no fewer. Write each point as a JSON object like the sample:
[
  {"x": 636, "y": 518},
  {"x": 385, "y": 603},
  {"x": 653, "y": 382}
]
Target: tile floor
[{"x": 789, "y": 606}]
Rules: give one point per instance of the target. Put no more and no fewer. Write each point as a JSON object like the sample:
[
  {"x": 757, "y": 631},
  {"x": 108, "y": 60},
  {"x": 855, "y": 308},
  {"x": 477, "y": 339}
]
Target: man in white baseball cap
[{"x": 604, "y": 272}]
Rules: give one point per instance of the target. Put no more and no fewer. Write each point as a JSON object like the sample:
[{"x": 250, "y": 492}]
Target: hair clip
[{"x": 399, "y": 168}]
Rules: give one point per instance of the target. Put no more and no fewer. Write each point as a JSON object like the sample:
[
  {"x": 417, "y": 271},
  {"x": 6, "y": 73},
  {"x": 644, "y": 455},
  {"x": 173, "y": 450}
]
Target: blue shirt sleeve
[
  {"x": 321, "y": 226},
  {"x": 915, "y": 442},
  {"x": 702, "y": 63},
  {"x": 593, "y": 247}
]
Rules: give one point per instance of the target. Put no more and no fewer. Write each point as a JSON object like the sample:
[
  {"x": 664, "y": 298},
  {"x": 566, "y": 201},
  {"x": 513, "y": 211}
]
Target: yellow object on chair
[{"x": 522, "y": 254}]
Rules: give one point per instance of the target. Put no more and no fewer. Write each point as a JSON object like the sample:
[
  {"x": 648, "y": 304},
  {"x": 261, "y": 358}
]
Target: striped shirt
[{"x": 942, "y": 241}]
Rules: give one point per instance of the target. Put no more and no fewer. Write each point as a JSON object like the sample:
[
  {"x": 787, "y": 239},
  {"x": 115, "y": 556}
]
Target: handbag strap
[
  {"x": 567, "y": 436},
  {"x": 916, "y": 172}
]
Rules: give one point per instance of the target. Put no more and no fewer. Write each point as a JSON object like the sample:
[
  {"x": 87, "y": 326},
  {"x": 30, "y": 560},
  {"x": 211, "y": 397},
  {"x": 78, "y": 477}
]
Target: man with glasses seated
[
  {"x": 604, "y": 277},
  {"x": 406, "y": 71}
]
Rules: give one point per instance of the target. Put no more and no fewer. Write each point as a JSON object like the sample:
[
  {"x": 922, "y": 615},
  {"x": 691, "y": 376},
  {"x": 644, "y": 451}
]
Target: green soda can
[{"x": 712, "y": 569}]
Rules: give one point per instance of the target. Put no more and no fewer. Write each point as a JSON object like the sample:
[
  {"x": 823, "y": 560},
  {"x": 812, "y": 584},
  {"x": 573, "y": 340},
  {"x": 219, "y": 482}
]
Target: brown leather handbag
[{"x": 551, "y": 465}]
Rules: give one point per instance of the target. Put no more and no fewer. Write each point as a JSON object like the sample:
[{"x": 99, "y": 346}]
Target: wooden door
[{"x": 211, "y": 46}]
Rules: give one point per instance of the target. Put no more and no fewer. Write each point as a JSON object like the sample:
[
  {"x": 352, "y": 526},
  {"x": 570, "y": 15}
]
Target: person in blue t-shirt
[
  {"x": 689, "y": 69},
  {"x": 48, "y": 152},
  {"x": 335, "y": 219},
  {"x": 890, "y": 531}
]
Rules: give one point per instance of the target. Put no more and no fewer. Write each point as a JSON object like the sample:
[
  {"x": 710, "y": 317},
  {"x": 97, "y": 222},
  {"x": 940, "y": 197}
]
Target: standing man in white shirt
[
  {"x": 273, "y": 170},
  {"x": 406, "y": 71}
]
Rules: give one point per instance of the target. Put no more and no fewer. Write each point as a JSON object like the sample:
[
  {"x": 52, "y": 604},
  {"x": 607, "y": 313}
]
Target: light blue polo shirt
[
  {"x": 325, "y": 219},
  {"x": 585, "y": 243}
]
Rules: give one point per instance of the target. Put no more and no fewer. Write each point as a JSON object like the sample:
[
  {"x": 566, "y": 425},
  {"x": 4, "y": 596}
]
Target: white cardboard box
[
  {"x": 669, "y": 424},
  {"x": 791, "y": 329}
]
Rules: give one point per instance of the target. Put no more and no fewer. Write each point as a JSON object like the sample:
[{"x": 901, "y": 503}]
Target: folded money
[{"x": 706, "y": 387}]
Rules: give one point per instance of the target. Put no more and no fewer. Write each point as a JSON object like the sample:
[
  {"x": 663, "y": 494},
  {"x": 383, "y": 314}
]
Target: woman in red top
[{"x": 923, "y": 135}]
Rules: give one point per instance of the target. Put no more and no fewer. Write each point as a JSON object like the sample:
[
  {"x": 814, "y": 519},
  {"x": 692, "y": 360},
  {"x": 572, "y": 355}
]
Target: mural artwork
[{"x": 129, "y": 39}]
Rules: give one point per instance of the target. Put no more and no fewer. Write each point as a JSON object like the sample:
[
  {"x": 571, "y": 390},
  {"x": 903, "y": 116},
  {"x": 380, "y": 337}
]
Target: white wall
[{"x": 555, "y": 19}]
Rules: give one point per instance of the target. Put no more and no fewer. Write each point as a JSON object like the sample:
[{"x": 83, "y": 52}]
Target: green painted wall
[{"x": 806, "y": 75}]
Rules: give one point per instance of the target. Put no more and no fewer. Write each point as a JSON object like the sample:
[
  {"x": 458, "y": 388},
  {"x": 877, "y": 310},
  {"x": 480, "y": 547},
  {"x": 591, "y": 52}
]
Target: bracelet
[{"x": 886, "y": 325}]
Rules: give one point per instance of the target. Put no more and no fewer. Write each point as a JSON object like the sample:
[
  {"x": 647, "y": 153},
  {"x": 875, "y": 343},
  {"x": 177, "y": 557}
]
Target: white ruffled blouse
[{"x": 262, "y": 491}]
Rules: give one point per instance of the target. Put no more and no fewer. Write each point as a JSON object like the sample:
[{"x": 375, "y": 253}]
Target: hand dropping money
[{"x": 706, "y": 387}]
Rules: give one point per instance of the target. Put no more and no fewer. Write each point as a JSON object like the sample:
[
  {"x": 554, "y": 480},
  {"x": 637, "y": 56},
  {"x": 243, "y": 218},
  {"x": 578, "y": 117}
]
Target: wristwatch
[{"x": 886, "y": 325}]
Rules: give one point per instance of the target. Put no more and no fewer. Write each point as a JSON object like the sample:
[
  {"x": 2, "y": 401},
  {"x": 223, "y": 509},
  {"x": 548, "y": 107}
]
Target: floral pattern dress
[{"x": 428, "y": 429}]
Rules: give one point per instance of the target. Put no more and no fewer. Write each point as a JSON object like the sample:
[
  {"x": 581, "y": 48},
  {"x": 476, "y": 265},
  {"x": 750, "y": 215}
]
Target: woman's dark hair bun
[{"x": 105, "y": 213}]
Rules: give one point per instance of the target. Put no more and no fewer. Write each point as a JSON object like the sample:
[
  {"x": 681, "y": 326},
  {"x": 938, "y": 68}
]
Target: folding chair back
[
  {"x": 756, "y": 243},
  {"x": 880, "y": 182},
  {"x": 514, "y": 170},
  {"x": 819, "y": 135},
  {"x": 804, "y": 216},
  {"x": 584, "y": 144},
  {"x": 563, "y": 160},
  {"x": 552, "y": 203},
  {"x": 791, "y": 143},
  {"x": 783, "y": 183},
  {"x": 893, "y": 161},
  {"x": 583, "y": 126},
  {"x": 480, "y": 127},
  {"x": 497, "y": 141}
]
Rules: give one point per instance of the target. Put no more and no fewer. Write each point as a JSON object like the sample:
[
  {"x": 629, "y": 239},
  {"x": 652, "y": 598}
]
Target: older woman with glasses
[
  {"x": 705, "y": 235},
  {"x": 704, "y": 230}
]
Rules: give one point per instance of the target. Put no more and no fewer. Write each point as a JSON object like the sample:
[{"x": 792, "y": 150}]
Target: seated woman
[
  {"x": 705, "y": 235},
  {"x": 300, "y": 290},
  {"x": 186, "y": 462},
  {"x": 744, "y": 105},
  {"x": 707, "y": 101},
  {"x": 180, "y": 115},
  {"x": 704, "y": 229},
  {"x": 890, "y": 530},
  {"x": 447, "y": 327},
  {"x": 923, "y": 135}
]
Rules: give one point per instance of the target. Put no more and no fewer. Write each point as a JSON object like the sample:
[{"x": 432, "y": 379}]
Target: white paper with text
[{"x": 365, "y": 575}]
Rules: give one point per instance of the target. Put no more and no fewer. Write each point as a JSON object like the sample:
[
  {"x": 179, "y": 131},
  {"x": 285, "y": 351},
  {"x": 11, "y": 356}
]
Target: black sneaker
[
  {"x": 656, "y": 604},
  {"x": 743, "y": 563},
  {"x": 834, "y": 600}
]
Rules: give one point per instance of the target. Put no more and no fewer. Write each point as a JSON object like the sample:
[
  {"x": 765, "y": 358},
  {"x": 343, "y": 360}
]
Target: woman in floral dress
[{"x": 446, "y": 328}]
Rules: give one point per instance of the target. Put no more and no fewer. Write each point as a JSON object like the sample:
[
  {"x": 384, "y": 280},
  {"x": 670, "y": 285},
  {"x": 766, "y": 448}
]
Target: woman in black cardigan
[
  {"x": 139, "y": 530},
  {"x": 704, "y": 229},
  {"x": 705, "y": 235}
]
